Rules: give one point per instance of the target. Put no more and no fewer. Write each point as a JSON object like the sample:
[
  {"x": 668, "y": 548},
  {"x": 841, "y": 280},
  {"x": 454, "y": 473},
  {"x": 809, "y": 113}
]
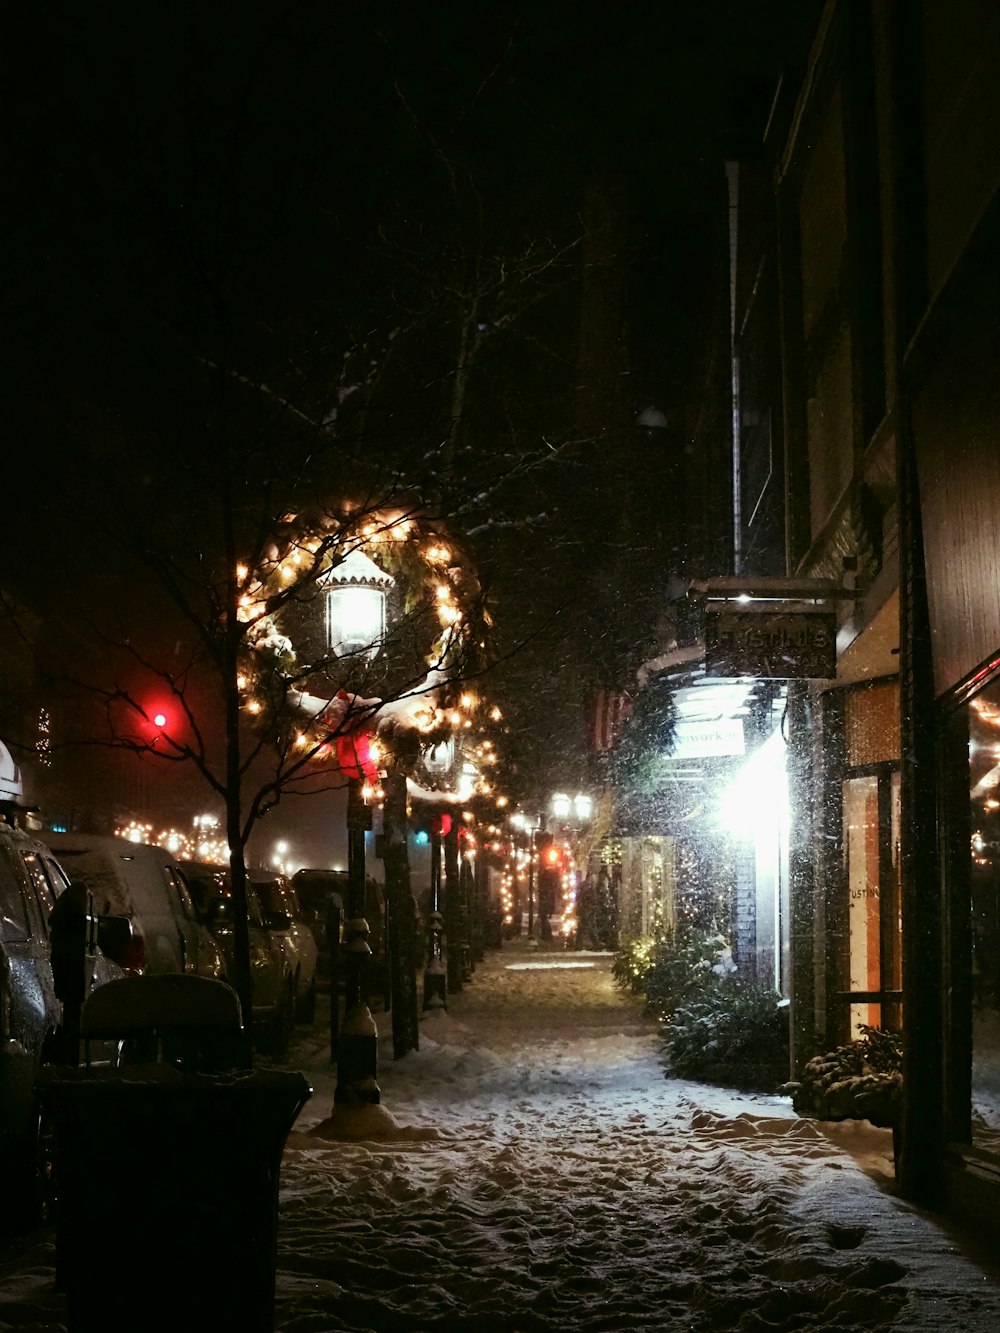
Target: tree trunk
[{"x": 242, "y": 982}]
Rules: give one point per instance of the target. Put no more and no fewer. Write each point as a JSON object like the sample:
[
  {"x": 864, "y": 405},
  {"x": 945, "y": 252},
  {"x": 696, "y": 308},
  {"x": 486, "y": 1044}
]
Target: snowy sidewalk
[{"x": 536, "y": 1172}]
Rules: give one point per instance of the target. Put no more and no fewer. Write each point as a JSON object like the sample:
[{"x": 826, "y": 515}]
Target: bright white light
[
  {"x": 281, "y": 847},
  {"x": 561, "y": 805},
  {"x": 758, "y": 796},
  {"x": 357, "y": 618},
  {"x": 583, "y": 805}
]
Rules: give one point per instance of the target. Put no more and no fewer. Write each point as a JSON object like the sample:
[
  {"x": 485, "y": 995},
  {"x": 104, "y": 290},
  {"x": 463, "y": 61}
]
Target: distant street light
[
  {"x": 572, "y": 813},
  {"x": 561, "y": 805},
  {"x": 572, "y": 810}
]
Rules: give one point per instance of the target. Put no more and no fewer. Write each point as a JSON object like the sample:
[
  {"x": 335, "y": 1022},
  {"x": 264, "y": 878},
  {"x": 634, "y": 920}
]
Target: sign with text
[
  {"x": 780, "y": 645},
  {"x": 708, "y": 740}
]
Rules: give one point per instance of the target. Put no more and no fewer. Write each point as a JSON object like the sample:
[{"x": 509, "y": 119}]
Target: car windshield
[
  {"x": 213, "y": 895},
  {"x": 255, "y": 913},
  {"x": 100, "y": 878},
  {"x": 270, "y": 894},
  {"x": 316, "y": 891}
]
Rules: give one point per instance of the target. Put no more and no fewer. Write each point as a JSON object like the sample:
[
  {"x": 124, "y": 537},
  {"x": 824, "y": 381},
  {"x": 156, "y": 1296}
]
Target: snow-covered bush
[
  {"x": 735, "y": 1032},
  {"x": 714, "y": 1025},
  {"x": 675, "y": 965},
  {"x": 860, "y": 1081}
]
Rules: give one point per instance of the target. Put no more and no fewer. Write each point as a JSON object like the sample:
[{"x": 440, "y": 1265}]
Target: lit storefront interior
[{"x": 983, "y": 715}]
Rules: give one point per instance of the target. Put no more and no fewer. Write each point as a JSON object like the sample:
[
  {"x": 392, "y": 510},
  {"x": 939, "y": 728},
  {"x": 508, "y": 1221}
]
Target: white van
[{"x": 146, "y": 884}]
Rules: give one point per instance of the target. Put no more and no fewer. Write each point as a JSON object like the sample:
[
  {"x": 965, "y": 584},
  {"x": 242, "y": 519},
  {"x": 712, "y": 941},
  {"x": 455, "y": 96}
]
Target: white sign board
[{"x": 707, "y": 740}]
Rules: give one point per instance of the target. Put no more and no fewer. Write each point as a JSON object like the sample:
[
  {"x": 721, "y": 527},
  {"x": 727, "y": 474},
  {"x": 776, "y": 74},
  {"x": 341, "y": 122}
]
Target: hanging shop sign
[{"x": 779, "y": 645}]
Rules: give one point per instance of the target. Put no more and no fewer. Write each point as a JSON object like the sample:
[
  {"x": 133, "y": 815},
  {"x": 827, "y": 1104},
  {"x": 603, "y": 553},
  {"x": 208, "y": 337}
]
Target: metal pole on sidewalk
[
  {"x": 531, "y": 886},
  {"x": 435, "y": 982},
  {"x": 357, "y": 1046}
]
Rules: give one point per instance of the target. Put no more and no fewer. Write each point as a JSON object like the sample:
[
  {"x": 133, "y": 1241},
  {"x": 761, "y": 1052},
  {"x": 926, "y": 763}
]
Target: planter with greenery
[{"x": 860, "y": 1081}]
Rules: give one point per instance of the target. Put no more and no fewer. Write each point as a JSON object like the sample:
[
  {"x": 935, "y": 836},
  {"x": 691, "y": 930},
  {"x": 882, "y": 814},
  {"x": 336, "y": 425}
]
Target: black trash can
[{"x": 167, "y": 1194}]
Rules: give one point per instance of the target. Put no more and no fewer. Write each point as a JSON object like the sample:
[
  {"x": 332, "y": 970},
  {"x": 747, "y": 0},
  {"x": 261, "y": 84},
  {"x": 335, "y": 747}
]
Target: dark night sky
[
  {"x": 267, "y": 182},
  {"x": 155, "y": 154}
]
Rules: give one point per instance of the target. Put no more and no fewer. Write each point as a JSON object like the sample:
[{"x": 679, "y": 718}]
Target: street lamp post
[
  {"x": 356, "y": 629},
  {"x": 531, "y": 884},
  {"x": 438, "y": 760},
  {"x": 357, "y": 1043},
  {"x": 435, "y": 975},
  {"x": 572, "y": 813},
  {"x": 535, "y": 828}
]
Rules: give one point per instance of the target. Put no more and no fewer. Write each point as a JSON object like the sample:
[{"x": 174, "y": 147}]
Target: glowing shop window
[{"x": 862, "y": 856}]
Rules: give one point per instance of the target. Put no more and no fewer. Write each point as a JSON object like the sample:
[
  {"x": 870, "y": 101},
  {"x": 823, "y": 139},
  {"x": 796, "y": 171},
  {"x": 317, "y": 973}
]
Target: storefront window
[
  {"x": 871, "y": 853},
  {"x": 861, "y": 849},
  {"x": 871, "y": 965},
  {"x": 984, "y": 773}
]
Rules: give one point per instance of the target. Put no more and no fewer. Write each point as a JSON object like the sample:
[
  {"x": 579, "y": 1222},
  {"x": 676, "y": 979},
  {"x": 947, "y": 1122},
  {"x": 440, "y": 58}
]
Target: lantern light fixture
[
  {"x": 356, "y": 606},
  {"x": 583, "y": 806},
  {"x": 579, "y": 808},
  {"x": 561, "y": 805}
]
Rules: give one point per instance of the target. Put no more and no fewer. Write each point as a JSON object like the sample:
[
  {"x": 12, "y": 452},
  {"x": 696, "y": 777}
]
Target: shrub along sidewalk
[{"x": 715, "y": 1025}]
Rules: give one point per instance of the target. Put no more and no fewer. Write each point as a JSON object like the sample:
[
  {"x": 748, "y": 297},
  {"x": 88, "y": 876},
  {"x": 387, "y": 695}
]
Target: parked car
[
  {"x": 273, "y": 984},
  {"x": 283, "y": 914},
  {"x": 145, "y": 884},
  {"x": 316, "y": 890},
  {"x": 31, "y": 882}
]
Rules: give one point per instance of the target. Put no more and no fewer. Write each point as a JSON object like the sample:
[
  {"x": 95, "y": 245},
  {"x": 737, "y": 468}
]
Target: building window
[
  {"x": 874, "y": 921},
  {"x": 870, "y": 962},
  {"x": 984, "y": 900}
]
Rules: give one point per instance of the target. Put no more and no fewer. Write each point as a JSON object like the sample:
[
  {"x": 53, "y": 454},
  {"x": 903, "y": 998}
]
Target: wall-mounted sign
[
  {"x": 708, "y": 740},
  {"x": 781, "y": 645}
]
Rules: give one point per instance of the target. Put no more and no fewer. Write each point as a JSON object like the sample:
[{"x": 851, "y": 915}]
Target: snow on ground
[
  {"x": 531, "y": 1170},
  {"x": 536, "y": 1171}
]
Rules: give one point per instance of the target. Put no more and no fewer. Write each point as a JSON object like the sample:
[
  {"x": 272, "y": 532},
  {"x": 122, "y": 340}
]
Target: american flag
[{"x": 606, "y": 717}]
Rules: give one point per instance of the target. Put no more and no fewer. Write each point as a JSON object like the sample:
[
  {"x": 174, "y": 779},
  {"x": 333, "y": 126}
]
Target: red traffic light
[{"x": 158, "y": 718}]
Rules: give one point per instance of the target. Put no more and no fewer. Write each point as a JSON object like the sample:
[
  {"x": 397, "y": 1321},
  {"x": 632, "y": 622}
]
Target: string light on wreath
[{"x": 391, "y": 550}]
